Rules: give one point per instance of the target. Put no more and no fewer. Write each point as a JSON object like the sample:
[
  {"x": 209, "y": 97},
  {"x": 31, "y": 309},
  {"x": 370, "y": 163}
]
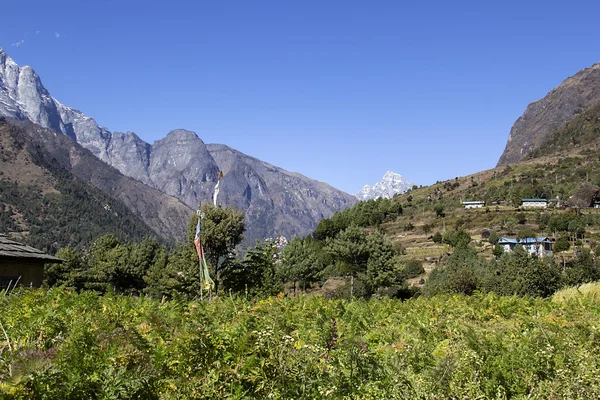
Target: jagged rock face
[
  {"x": 130, "y": 153},
  {"x": 573, "y": 96},
  {"x": 391, "y": 184},
  {"x": 22, "y": 96},
  {"x": 276, "y": 201},
  {"x": 181, "y": 165}
]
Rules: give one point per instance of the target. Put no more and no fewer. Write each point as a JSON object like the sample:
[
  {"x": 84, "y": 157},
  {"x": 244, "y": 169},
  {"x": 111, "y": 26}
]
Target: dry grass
[{"x": 588, "y": 290}]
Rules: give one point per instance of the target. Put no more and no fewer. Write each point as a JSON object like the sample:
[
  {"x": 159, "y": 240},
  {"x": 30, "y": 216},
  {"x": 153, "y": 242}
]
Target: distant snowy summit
[{"x": 391, "y": 184}]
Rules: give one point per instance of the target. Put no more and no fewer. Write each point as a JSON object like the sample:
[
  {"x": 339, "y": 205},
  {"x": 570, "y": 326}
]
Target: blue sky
[{"x": 340, "y": 91}]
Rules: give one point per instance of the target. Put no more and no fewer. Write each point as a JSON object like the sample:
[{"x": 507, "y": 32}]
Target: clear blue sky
[{"x": 340, "y": 91}]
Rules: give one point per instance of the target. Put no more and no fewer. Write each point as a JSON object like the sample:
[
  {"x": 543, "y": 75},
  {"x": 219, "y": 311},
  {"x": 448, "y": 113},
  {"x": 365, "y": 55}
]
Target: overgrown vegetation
[{"x": 62, "y": 345}]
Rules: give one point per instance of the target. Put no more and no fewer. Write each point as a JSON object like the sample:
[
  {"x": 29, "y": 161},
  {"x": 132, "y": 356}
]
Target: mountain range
[
  {"x": 181, "y": 165},
  {"x": 54, "y": 193},
  {"x": 391, "y": 184}
]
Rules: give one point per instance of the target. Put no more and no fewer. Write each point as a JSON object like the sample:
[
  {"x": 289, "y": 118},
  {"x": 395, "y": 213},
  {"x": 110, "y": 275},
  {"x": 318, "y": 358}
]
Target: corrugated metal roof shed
[{"x": 10, "y": 248}]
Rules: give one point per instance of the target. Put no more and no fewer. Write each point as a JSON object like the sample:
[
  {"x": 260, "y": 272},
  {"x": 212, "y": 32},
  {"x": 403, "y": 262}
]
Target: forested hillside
[{"x": 50, "y": 208}]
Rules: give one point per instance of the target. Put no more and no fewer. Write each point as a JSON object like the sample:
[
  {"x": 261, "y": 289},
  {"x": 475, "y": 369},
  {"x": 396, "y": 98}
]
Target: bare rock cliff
[{"x": 573, "y": 96}]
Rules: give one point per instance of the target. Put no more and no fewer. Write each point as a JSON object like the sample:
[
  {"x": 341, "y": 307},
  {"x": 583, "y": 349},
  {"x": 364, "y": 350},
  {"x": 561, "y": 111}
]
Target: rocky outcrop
[
  {"x": 23, "y": 97},
  {"x": 276, "y": 201},
  {"x": 573, "y": 96}
]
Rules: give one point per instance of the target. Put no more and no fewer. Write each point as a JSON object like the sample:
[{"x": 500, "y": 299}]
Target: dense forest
[{"x": 66, "y": 216}]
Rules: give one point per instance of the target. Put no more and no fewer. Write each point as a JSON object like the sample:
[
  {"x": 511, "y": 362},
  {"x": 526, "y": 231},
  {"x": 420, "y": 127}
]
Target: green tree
[
  {"x": 68, "y": 272},
  {"x": 300, "y": 262},
  {"x": 104, "y": 258},
  {"x": 493, "y": 237},
  {"x": 412, "y": 269},
  {"x": 144, "y": 256},
  {"x": 439, "y": 210},
  {"x": 510, "y": 226},
  {"x": 583, "y": 269},
  {"x": 562, "y": 244},
  {"x": 176, "y": 275},
  {"x": 427, "y": 228},
  {"x": 349, "y": 250},
  {"x": 522, "y": 274},
  {"x": 526, "y": 233},
  {"x": 119, "y": 266},
  {"x": 498, "y": 250},
  {"x": 222, "y": 230},
  {"x": 457, "y": 238},
  {"x": 382, "y": 268},
  {"x": 459, "y": 275},
  {"x": 257, "y": 273}
]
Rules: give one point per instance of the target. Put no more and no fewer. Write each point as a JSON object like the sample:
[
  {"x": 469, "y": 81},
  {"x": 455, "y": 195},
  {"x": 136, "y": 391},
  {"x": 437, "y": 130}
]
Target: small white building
[
  {"x": 534, "y": 203},
  {"x": 474, "y": 204}
]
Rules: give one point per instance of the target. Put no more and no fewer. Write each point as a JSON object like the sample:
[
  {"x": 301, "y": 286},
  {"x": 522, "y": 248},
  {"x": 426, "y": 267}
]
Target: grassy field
[{"x": 60, "y": 345}]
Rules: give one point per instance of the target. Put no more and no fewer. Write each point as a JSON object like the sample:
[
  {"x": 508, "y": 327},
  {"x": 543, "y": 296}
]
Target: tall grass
[{"x": 588, "y": 290}]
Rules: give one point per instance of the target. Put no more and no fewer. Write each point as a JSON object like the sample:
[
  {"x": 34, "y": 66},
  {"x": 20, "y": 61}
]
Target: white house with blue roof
[{"x": 540, "y": 246}]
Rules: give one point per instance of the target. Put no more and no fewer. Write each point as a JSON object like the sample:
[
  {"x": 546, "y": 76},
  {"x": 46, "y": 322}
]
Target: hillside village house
[
  {"x": 21, "y": 264},
  {"x": 474, "y": 204},
  {"x": 541, "y": 246},
  {"x": 534, "y": 203}
]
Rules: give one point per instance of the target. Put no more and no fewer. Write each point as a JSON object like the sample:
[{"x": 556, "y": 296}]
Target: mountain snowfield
[{"x": 391, "y": 184}]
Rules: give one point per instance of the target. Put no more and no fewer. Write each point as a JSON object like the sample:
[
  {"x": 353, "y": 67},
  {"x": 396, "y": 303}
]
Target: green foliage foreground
[{"x": 61, "y": 345}]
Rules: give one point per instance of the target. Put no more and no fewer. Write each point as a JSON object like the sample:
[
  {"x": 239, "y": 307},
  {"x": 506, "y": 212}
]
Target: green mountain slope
[{"x": 45, "y": 205}]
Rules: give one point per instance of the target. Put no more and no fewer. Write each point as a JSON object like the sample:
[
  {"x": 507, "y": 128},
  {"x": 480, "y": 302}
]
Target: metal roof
[
  {"x": 544, "y": 200},
  {"x": 11, "y": 249},
  {"x": 524, "y": 240}
]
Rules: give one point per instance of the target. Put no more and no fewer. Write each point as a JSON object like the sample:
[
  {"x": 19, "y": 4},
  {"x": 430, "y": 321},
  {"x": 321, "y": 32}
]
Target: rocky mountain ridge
[
  {"x": 563, "y": 103},
  {"x": 391, "y": 184},
  {"x": 277, "y": 202}
]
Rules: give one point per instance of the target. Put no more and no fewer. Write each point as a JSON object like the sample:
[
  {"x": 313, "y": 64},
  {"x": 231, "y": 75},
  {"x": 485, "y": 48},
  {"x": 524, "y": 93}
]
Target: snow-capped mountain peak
[{"x": 391, "y": 184}]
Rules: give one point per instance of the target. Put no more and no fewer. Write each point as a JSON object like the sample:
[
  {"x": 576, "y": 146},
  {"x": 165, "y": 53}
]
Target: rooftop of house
[
  {"x": 534, "y": 199},
  {"x": 524, "y": 240},
  {"x": 11, "y": 249}
]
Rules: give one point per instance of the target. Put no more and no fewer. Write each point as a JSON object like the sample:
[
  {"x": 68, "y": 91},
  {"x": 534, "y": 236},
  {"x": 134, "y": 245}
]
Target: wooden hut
[{"x": 21, "y": 263}]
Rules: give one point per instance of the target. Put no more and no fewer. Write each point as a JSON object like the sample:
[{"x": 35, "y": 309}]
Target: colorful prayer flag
[{"x": 205, "y": 280}]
